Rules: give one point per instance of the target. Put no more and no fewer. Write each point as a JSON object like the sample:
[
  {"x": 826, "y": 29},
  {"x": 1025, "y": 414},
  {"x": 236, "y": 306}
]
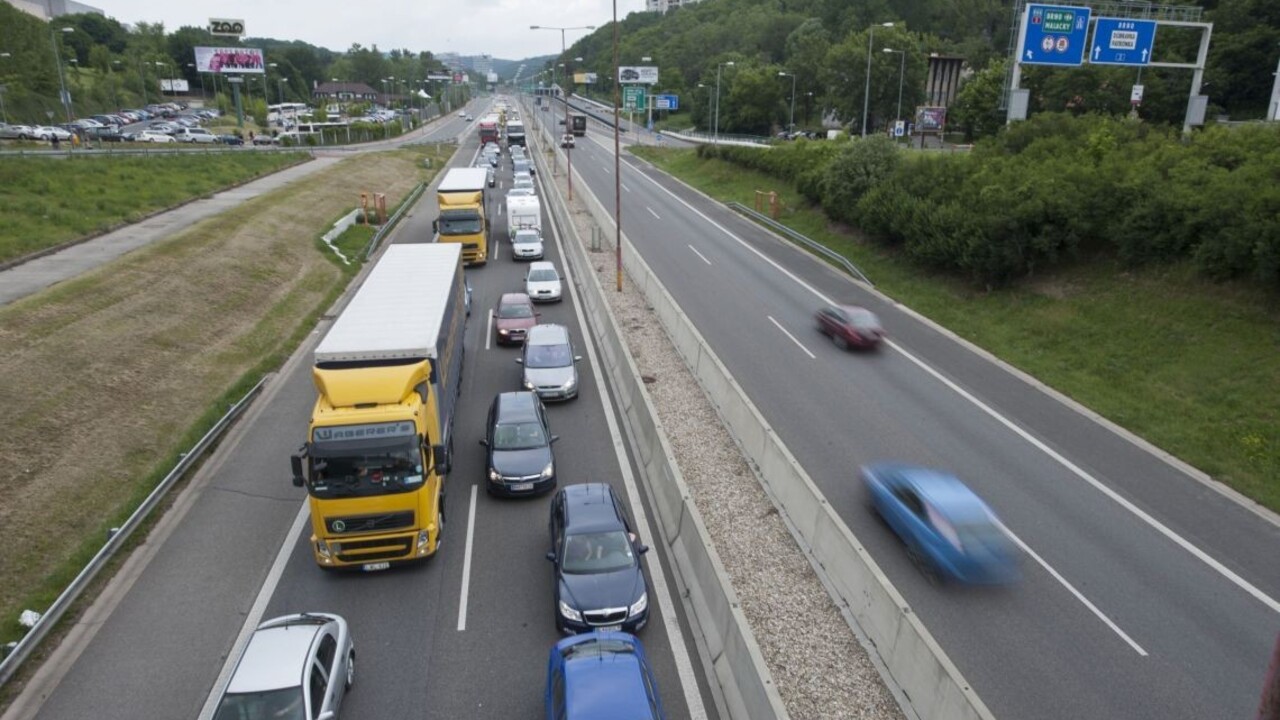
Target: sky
[{"x": 499, "y": 28}]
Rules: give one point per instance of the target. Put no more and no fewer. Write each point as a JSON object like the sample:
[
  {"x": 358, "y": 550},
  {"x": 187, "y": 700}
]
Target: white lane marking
[
  {"x": 500, "y": 204},
  {"x": 657, "y": 576},
  {"x": 793, "y": 337},
  {"x": 695, "y": 252},
  {"x": 255, "y": 613},
  {"x": 651, "y": 212},
  {"x": 1079, "y": 595},
  {"x": 1141, "y": 514},
  {"x": 488, "y": 330},
  {"x": 466, "y": 563},
  {"x": 624, "y": 187}
]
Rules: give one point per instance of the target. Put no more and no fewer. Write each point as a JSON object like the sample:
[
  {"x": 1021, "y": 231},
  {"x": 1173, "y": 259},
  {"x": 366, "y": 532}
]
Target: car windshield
[
  {"x": 597, "y": 552},
  {"x": 598, "y": 648},
  {"x": 863, "y": 319},
  {"x": 515, "y": 310},
  {"x": 347, "y": 470},
  {"x": 542, "y": 275},
  {"x": 547, "y": 356},
  {"x": 285, "y": 704},
  {"x": 519, "y": 436}
]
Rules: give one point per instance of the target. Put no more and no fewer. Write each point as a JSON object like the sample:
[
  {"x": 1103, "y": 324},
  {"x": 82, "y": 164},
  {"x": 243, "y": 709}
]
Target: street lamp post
[
  {"x": 716, "y": 134},
  {"x": 791, "y": 127},
  {"x": 160, "y": 65},
  {"x": 199, "y": 79},
  {"x": 866, "y": 93},
  {"x": 568, "y": 151},
  {"x": 902, "y": 68},
  {"x": 62, "y": 80},
  {"x": 4, "y": 117},
  {"x": 808, "y": 106}
]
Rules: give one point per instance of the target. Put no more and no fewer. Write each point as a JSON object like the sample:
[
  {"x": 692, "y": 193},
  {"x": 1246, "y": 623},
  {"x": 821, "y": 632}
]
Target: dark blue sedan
[
  {"x": 948, "y": 530},
  {"x": 601, "y": 676}
]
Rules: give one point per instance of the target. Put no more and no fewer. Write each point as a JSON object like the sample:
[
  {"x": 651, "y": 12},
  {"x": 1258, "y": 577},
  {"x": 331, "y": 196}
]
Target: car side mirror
[
  {"x": 484, "y": 442},
  {"x": 519, "y": 361},
  {"x": 642, "y": 549},
  {"x": 551, "y": 556},
  {"x": 577, "y": 358}
]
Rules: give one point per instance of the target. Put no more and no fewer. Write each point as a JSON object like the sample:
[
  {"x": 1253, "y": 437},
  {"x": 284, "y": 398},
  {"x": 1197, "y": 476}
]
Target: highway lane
[
  {"x": 157, "y": 649},
  {"x": 1036, "y": 650}
]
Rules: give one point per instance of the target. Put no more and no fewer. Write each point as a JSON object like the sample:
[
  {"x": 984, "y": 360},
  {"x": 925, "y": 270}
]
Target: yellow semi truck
[
  {"x": 461, "y": 218},
  {"x": 388, "y": 374}
]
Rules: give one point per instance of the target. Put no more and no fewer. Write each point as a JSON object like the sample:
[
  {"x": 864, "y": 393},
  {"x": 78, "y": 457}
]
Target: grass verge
[
  {"x": 115, "y": 373},
  {"x": 1190, "y": 365},
  {"x": 50, "y": 201}
]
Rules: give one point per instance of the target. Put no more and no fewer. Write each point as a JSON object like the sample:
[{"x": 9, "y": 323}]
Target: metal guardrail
[
  {"x": 808, "y": 242},
  {"x": 376, "y": 240},
  {"x": 119, "y": 536}
]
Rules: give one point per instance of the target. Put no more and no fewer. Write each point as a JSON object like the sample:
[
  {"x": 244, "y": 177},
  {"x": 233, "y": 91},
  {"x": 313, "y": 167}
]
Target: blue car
[
  {"x": 948, "y": 530},
  {"x": 601, "y": 676}
]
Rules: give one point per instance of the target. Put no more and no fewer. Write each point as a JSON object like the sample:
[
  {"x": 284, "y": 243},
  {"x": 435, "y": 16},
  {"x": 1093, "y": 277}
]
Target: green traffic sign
[{"x": 633, "y": 97}]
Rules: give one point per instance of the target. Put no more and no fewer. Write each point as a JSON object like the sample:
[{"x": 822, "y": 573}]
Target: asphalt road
[
  {"x": 154, "y": 646},
  {"x": 1149, "y": 595}
]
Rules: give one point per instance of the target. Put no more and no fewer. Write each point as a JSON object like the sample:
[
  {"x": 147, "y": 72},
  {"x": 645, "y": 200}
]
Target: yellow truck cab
[
  {"x": 388, "y": 375},
  {"x": 460, "y": 199}
]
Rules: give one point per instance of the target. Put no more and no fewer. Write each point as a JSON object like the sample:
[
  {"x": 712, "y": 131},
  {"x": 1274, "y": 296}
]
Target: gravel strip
[{"x": 820, "y": 669}]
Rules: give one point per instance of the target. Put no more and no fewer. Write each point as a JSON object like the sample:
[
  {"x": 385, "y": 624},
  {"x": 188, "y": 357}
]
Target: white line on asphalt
[
  {"x": 695, "y": 252},
  {"x": 657, "y": 576},
  {"x": 466, "y": 563},
  {"x": 1079, "y": 595},
  {"x": 651, "y": 212},
  {"x": 500, "y": 205},
  {"x": 1141, "y": 514},
  {"x": 624, "y": 187},
  {"x": 793, "y": 337},
  {"x": 255, "y": 613},
  {"x": 488, "y": 330}
]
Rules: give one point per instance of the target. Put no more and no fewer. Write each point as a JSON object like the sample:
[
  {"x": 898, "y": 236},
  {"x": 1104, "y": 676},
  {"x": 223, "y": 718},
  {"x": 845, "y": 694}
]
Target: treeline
[
  {"x": 1053, "y": 190},
  {"x": 824, "y": 45}
]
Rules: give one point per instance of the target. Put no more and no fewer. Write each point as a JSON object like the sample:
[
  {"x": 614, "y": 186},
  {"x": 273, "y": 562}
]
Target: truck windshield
[
  {"x": 468, "y": 224},
  {"x": 348, "y": 469}
]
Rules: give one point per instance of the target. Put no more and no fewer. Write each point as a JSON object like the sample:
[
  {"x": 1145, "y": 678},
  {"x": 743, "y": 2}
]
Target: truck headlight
[
  {"x": 548, "y": 471},
  {"x": 323, "y": 552},
  {"x": 424, "y": 539},
  {"x": 569, "y": 613},
  {"x": 639, "y": 606}
]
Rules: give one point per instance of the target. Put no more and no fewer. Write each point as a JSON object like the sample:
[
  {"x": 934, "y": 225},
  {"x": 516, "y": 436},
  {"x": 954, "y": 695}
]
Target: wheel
[
  {"x": 840, "y": 341},
  {"x": 351, "y": 670}
]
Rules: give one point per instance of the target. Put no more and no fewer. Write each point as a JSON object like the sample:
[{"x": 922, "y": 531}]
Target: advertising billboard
[
  {"x": 585, "y": 78},
  {"x": 174, "y": 86},
  {"x": 646, "y": 74},
  {"x": 931, "y": 119},
  {"x": 491, "y": 78},
  {"x": 230, "y": 60}
]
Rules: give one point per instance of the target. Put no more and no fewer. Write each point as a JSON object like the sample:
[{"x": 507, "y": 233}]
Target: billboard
[
  {"x": 492, "y": 78},
  {"x": 225, "y": 26},
  {"x": 931, "y": 119},
  {"x": 647, "y": 74},
  {"x": 175, "y": 86},
  {"x": 230, "y": 60},
  {"x": 585, "y": 78},
  {"x": 446, "y": 77}
]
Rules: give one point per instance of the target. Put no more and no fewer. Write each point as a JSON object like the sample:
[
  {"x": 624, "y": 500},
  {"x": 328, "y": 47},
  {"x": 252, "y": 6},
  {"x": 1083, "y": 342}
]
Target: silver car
[
  {"x": 294, "y": 668},
  {"x": 526, "y": 245},
  {"x": 550, "y": 367}
]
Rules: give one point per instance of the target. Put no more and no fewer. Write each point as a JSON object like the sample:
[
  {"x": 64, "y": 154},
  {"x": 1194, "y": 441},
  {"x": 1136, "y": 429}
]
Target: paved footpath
[{"x": 35, "y": 275}]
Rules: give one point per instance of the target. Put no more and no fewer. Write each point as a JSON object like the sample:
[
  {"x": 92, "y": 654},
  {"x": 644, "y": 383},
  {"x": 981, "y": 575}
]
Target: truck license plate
[{"x": 374, "y": 567}]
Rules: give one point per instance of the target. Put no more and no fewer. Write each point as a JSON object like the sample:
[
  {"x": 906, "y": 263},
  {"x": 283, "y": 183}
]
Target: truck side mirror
[
  {"x": 295, "y": 462},
  {"x": 435, "y": 226},
  {"x": 441, "y": 459}
]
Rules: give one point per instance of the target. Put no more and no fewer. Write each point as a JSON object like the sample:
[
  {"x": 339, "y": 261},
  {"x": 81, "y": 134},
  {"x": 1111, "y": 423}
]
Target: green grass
[
  {"x": 48, "y": 202},
  {"x": 1189, "y": 365}
]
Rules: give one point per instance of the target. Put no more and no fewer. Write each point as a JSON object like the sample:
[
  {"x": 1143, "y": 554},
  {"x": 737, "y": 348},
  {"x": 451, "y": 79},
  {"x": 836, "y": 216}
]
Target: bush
[{"x": 860, "y": 166}]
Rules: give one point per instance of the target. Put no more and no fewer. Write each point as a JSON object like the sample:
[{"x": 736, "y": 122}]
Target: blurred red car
[
  {"x": 850, "y": 326},
  {"x": 513, "y": 317}
]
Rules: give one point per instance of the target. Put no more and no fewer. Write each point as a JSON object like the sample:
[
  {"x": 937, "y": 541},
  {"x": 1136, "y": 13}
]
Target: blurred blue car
[
  {"x": 601, "y": 676},
  {"x": 947, "y": 529}
]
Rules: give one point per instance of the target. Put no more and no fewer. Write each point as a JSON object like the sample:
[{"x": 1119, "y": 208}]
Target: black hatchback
[
  {"x": 518, "y": 438},
  {"x": 599, "y": 582}
]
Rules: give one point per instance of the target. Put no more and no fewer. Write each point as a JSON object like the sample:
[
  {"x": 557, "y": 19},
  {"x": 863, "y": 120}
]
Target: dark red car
[
  {"x": 513, "y": 317},
  {"x": 850, "y": 326}
]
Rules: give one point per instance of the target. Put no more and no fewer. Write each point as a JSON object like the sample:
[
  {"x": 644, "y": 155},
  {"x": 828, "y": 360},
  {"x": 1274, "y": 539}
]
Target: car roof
[
  {"x": 513, "y": 298},
  {"x": 548, "y": 334},
  {"x": 589, "y": 507},
  {"x": 276, "y": 656},
  {"x": 605, "y": 685},
  {"x": 945, "y": 492},
  {"x": 517, "y": 406}
]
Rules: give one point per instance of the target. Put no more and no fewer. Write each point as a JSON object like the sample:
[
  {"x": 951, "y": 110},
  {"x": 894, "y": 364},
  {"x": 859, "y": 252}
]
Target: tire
[
  {"x": 840, "y": 341},
  {"x": 351, "y": 671}
]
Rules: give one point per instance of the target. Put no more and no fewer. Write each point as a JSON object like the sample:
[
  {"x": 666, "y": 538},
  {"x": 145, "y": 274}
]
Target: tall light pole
[
  {"x": 791, "y": 127},
  {"x": 568, "y": 151},
  {"x": 708, "y": 89},
  {"x": 716, "y": 134},
  {"x": 4, "y": 117},
  {"x": 160, "y": 64},
  {"x": 62, "y": 80},
  {"x": 866, "y": 93},
  {"x": 902, "y": 68},
  {"x": 199, "y": 79}
]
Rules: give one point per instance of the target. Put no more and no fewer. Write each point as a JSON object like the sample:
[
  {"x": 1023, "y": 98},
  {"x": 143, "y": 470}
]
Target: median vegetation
[{"x": 1110, "y": 263}]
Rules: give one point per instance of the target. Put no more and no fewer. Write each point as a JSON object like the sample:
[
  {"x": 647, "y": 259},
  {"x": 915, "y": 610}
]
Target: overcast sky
[{"x": 499, "y": 28}]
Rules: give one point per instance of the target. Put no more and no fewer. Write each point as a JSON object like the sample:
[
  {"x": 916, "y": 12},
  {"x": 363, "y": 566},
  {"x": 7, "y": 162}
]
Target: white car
[
  {"x": 18, "y": 132},
  {"x": 521, "y": 181},
  {"x": 542, "y": 282},
  {"x": 195, "y": 135},
  {"x": 526, "y": 245},
  {"x": 48, "y": 132},
  {"x": 462, "y": 114},
  {"x": 154, "y": 137}
]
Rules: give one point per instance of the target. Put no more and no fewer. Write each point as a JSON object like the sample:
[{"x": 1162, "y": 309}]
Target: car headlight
[
  {"x": 548, "y": 471},
  {"x": 528, "y": 384},
  {"x": 569, "y": 613},
  {"x": 503, "y": 331},
  {"x": 568, "y": 384},
  {"x": 639, "y": 606},
  {"x": 494, "y": 475}
]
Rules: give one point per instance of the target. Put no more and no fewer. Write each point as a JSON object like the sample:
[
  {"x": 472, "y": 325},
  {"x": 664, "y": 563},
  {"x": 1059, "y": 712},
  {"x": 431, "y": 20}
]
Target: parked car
[
  {"x": 513, "y": 318},
  {"x": 49, "y": 132},
  {"x": 105, "y": 134},
  {"x": 550, "y": 367},
  {"x": 518, "y": 440},
  {"x": 195, "y": 135},
  {"x": 152, "y": 136},
  {"x": 948, "y": 530},
  {"x": 18, "y": 132},
  {"x": 599, "y": 581},
  {"x": 601, "y": 676},
  {"x": 265, "y": 140},
  {"x": 850, "y": 326},
  {"x": 566, "y": 140},
  {"x": 526, "y": 245},
  {"x": 542, "y": 282},
  {"x": 231, "y": 140},
  {"x": 295, "y": 666}
]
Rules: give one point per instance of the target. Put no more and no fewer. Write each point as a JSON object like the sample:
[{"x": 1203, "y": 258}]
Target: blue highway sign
[
  {"x": 666, "y": 102},
  {"x": 1118, "y": 41},
  {"x": 1055, "y": 35}
]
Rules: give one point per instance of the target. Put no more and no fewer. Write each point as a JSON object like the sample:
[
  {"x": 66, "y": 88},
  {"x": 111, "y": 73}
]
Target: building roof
[{"x": 352, "y": 88}]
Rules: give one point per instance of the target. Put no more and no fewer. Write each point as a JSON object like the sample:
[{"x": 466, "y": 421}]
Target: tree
[
  {"x": 976, "y": 109},
  {"x": 754, "y": 103}
]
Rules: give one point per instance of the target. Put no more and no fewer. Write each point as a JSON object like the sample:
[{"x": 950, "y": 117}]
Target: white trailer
[{"x": 523, "y": 212}]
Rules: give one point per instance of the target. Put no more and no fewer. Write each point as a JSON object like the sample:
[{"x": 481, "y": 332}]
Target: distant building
[
  {"x": 345, "y": 92},
  {"x": 49, "y": 9},
  {"x": 662, "y": 6}
]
